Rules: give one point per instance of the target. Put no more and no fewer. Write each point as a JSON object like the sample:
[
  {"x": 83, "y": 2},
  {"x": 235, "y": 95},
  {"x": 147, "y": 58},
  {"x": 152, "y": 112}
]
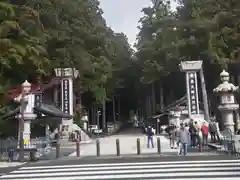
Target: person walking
[
  {"x": 213, "y": 132},
  {"x": 183, "y": 140},
  {"x": 11, "y": 142},
  {"x": 193, "y": 135},
  {"x": 174, "y": 138},
  {"x": 198, "y": 134},
  {"x": 171, "y": 135},
  {"x": 150, "y": 134},
  {"x": 204, "y": 130}
]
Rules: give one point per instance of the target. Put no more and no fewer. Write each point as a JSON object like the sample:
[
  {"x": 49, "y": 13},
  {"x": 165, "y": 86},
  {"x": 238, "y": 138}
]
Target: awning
[
  {"x": 51, "y": 110},
  {"x": 11, "y": 113},
  {"x": 45, "y": 109},
  {"x": 158, "y": 116},
  {"x": 176, "y": 103}
]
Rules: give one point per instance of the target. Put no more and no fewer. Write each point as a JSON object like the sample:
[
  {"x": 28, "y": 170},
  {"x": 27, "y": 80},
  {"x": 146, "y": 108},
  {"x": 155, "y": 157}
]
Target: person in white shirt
[{"x": 183, "y": 140}]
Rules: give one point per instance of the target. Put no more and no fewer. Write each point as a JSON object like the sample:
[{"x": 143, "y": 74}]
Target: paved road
[
  {"x": 6, "y": 167},
  {"x": 178, "y": 168},
  {"x": 128, "y": 129}
]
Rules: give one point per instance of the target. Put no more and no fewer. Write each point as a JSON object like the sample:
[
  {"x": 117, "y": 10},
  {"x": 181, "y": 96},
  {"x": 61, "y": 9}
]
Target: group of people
[{"x": 191, "y": 134}]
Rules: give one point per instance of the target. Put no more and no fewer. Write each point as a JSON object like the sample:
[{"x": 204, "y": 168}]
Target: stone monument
[
  {"x": 191, "y": 68},
  {"x": 67, "y": 76}
]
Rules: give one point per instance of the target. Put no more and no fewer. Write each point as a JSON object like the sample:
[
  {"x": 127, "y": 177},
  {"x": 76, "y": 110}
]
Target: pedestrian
[
  {"x": 183, "y": 140},
  {"x": 211, "y": 131},
  {"x": 204, "y": 130},
  {"x": 198, "y": 134},
  {"x": 175, "y": 137},
  {"x": 11, "y": 148},
  {"x": 193, "y": 135},
  {"x": 150, "y": 134},
  {"x": 171, "y": 135},
  {"x": 217, "y": 133}
]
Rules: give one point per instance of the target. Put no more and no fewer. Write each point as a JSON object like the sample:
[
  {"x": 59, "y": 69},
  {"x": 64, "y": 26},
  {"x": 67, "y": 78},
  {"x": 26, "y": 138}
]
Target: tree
[
  {"x": 197, "y": 30},
  {"x": 39, "y": 35},
  {"x": 20, "y": 42}
]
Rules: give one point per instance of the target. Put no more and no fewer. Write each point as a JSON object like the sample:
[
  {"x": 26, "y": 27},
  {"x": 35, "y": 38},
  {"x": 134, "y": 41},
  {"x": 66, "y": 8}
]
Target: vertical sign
[
  {"x": 192, "y": 92},
  {"x": 65, "y": 95}
]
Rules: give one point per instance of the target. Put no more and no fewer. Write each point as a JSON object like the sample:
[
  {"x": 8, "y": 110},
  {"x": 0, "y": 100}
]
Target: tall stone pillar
[{"x": 67, "y": 75}]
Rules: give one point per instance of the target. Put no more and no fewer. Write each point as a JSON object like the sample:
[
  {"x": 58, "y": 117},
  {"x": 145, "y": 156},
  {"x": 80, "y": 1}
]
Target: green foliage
[
  {"x": 37, "y": 36},
  {"x": 206, "y": 30}
]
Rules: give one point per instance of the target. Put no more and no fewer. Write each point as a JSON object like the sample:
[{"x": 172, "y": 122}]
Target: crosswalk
[{"x": 171, "y": 170}]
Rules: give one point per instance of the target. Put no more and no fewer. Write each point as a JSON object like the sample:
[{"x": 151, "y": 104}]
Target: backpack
[
  {"x": 193, "y": 130},
  {"x": 149, "y": 131}
]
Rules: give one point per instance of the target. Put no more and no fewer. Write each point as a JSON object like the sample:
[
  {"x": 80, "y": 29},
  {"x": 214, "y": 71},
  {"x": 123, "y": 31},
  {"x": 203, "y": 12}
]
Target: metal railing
[
  {"x": 228, "y": 142},
  {"x": 9, "y": 148}
]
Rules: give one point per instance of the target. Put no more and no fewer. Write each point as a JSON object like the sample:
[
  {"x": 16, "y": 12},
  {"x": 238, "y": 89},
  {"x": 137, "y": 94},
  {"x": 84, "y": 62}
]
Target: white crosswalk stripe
[{"x": 177, "y": 170}]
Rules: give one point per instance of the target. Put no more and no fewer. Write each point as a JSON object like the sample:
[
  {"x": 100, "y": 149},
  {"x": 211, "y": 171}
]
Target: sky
[{"x": 123, "y": 15}]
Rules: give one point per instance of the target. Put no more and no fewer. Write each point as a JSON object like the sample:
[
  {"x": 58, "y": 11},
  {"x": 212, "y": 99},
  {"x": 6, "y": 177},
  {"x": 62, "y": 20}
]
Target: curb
[
  {"x": 212, "y": 146},
  {"x": 221, "y": 151}
]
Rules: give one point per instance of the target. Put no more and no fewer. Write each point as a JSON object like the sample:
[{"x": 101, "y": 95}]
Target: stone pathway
[{"x": 128, "y": 145}]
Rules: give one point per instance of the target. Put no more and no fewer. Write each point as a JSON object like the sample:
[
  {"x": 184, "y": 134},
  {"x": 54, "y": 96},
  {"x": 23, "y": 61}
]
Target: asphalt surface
[
  {"x": 126, "y": 159},
  {"x": 64, "y": 152},
  {"x": 194, "y": 166},
  {"x": 142, "y": 168}
]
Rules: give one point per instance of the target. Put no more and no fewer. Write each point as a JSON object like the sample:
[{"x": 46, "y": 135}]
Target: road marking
[
  {"x": 119, "y": 171},
  {"x": 137, "y": 163},
  {"x": 74, "y": 175},
  {"x": 227, "y": 166},
  {"x": 180, "y": 170}
]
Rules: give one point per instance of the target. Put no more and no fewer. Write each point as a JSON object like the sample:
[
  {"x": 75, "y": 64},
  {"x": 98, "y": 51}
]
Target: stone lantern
[{"x": 227, "y": 104}]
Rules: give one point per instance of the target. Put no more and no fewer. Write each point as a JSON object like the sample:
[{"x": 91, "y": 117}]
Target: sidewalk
[
  {"x": 128, "y": 146},
  {"x": 10, "y": 164}
]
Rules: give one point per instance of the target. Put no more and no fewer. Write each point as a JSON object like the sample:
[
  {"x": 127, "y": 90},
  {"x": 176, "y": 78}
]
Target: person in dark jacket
[
  {"x": 150, "y": 134},
  {"x": 11, "y": 148},
  {"x": 213, "y": 131},
  {"x": 170, "y": 132},
  {"x": 193, "y": 135}
]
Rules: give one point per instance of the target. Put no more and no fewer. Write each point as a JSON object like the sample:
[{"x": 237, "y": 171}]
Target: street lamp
[{"x": 26, "y": 87}]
